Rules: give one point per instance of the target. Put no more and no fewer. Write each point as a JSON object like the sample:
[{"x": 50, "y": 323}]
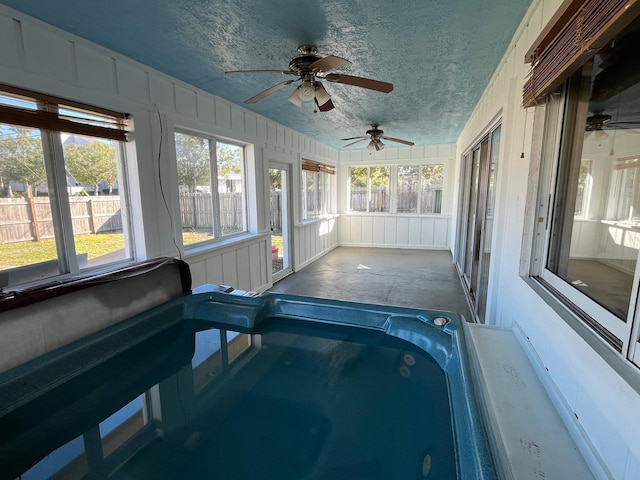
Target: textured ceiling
[{"x": 439, "y": 54}]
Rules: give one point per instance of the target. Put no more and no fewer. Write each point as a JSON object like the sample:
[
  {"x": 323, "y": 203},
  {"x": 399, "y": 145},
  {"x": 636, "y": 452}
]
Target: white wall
[
  {"x": 605, "y": 405},
  {"x": 39, "y": 57},
  {"x": 424, "y": 231}
]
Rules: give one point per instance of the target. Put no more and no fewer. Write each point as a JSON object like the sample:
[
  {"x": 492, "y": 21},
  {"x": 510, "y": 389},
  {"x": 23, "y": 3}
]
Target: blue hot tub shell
[{"x": 439, "y": 334}]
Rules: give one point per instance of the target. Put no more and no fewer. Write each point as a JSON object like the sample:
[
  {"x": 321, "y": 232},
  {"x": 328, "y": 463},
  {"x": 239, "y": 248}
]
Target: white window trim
[
  {"x": 393, "y": 188},
  {"x": 548, "y": 124},
  {"x": 219, "y": 239}
]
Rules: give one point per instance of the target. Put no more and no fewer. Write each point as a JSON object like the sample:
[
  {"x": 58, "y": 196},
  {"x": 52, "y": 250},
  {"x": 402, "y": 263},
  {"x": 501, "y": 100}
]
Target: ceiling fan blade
[
  {"x": 353, "y": 143},
  {"x": 269, "y": 91},
  {"x": 325, "y": 107},
  {"x": 283, "y": 72},
  {"x": 406, "y": 142},
  {"x": 369, "y": 83},
  {"x": 329, "y": 63},
  {"x": 352, "y": 138}
]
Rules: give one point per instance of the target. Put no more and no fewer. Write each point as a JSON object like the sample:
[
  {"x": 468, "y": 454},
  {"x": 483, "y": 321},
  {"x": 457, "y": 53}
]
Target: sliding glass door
[{"x": 475, "y": 221}]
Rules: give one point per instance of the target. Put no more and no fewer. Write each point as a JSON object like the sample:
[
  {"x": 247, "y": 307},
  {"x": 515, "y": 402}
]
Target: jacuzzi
[{"x": 218, "y": 385}]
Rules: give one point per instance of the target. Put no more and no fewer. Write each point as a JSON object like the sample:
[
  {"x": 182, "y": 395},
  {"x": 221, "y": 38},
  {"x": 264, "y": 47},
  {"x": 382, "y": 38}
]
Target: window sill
[
  {"x": 407, "y": 215},
  {"x": 622, "y": 224},
  {"x": 322, "y": 218},
  {"x": 619, "y": 364},
  {"x": 230, "y": 242}
]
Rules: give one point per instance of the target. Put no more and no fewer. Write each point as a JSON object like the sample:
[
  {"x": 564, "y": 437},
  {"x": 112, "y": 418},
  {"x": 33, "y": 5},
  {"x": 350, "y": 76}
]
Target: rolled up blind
[
  {"x": 578, "y": 30},
  {"x": 46, "y": 112},
  {"x": 313, "y": 166}
]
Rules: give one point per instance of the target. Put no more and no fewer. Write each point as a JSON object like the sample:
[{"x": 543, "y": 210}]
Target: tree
[
  {"x": 275, "y": 179},
  {"x": 91, "y": 163},
  {"x": 229, "y": 159},
  {"x": 21, "y": 158},
  {"x": 193, "y": 161},
  {"x": 433, "y": 175},
  {"x": 380, "y": 177},
  {"x": 358, "y": 177}
]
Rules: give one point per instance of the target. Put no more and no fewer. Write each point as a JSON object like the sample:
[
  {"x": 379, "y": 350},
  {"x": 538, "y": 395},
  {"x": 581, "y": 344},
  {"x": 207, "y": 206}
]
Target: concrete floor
[{"x": 425, "y": 279}]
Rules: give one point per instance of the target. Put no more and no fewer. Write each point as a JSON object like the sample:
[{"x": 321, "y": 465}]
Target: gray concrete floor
[{"x": 425, "y": 279}]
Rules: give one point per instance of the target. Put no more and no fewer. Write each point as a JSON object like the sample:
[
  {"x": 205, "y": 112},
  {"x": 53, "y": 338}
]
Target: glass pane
[
  {"x": 193, "y": 157},
  {"x": 321, "y": 193},
  {"x": 584, "y": 182},
  {"x": 358, "y": 189},
  {"x": 96, "y": 199},
  {"x": 408, "y": 179},
  {"x": 596, "y": 229},
  {"x": 28, "y": 248},
  {"x": 379, "y": 201},
  {"x": 310, "y": 193},
  {"x": 487, "y": 228},
  {"x": 471, "y": 218},
  {"x": 16, "y": 101},
  {"x": 432, "y": 179},
  {"x": 230, "y": 162},
  {"x": 463, "y": 210},
  {"x": 277, "y": 210}
]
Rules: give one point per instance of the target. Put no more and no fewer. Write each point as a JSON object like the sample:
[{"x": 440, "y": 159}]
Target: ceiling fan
[
  {"x": 309, "y": 67},
  {"x": 375, "y": 136},
  {"x": 600, "y": 121}
]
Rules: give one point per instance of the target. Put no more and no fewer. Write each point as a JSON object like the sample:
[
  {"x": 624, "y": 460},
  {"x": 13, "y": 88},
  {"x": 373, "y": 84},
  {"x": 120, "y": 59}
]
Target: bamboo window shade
[
  {"x": 313, "y": 166},
  {"x": 60, "y": 115},
  {"x": 577, "y": 31}
]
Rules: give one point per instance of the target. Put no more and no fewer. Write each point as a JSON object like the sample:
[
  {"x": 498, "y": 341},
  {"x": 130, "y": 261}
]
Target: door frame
[{"x": 287, "y": 218}]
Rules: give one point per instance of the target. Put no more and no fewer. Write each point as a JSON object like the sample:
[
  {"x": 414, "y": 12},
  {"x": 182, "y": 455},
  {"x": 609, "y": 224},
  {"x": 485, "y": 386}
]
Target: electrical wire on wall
[
  {"x": 164, "y": 198},
  {"x": 524, "y": 132}
]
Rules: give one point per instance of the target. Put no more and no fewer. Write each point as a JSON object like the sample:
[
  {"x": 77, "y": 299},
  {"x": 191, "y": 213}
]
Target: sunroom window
[
  {"x": 396, "y": 188},
  {"x": 593, "y": 182},
  {"x": 63, "y": 203},
  {"x": 210, "y": 209},
  {"x": 316, "y": 188}
]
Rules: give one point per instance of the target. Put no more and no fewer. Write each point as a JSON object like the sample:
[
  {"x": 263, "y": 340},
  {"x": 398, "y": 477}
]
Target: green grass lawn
[
  {"x": 26, "y": 253},
  {"x": 276, "y": 240},
  {"x": 94, "y": 245}
]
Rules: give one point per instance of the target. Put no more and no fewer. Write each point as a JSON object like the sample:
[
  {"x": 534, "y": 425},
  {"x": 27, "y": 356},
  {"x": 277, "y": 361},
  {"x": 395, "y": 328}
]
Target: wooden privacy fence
[
  {"x": 275, "y": 209},
  {"x": 196, "y": 211},
  {"x": 28, "y": 219},
  {"x": 406, "y": 200}
]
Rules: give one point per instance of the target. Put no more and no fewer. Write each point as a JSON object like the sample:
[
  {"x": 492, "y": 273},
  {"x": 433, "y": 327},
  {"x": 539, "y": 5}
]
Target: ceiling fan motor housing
[
  {"x": 300, "y": 63},
  {"x": 375, "y": 133}
]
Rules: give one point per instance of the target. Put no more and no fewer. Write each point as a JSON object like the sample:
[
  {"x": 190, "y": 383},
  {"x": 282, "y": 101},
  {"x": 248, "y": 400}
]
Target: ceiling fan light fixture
[
  {"x": 306, "y": 92},
  {"x": 376, "y": 145},
  {"x": 295, "y": 97},
  {"x": 322, "y": 96}
]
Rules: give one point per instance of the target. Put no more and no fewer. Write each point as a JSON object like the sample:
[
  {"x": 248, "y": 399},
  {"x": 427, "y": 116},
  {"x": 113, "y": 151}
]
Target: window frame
[
  {"x": 322, "y": 198},
  {"x": 52, "y": 117},
  {"x": 562, "y": 134},
  {"x": 217, "y": 228}
]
